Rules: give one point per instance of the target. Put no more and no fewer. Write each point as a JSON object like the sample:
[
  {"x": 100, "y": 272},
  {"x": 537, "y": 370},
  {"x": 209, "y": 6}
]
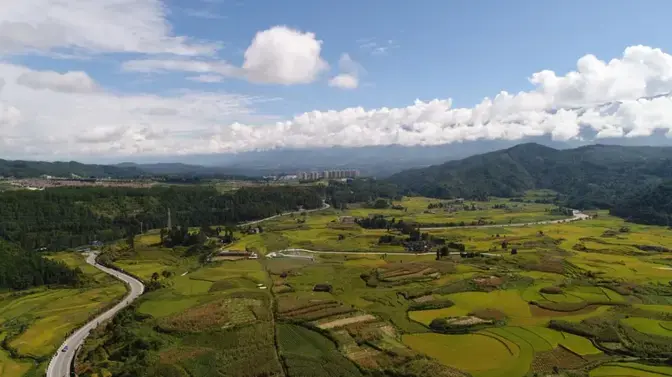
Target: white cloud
[
  {"x": 281, "y": 55},
  {"x": 207, "y": 78},
  {"x": 75, "y": 82},
  {"x": 349, "y": 76},
  {"x": 194, "y": 66},
  {"x": 61, "y": 123},
  {"x": 100, "y": 26},
  {"x": 344, "y": 81},
  {"x": 619, "y": 98}
]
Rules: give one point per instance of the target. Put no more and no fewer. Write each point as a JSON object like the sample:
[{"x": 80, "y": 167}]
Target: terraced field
[
  {"x": 34, "y": 323},
  {"x": 575, "y": 299}
]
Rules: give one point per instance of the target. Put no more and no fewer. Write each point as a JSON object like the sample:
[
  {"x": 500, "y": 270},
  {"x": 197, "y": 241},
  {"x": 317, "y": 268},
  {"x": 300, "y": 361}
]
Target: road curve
[
  {"x": 324, "y": 206},
  {"x": 577, "y": 215},
  {"x": 406, "y": 253},
  {"x": 59, "y": 366}
]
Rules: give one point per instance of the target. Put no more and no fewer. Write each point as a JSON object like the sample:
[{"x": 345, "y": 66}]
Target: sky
[{"x": 94, "y": 79}]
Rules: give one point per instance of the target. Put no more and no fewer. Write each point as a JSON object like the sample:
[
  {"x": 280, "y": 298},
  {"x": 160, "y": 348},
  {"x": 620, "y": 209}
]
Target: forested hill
[
  {"x": 652, "y": 205},
  {"x": 590, "y": 176},
  {"x": 31, "y": 169},
  {"x": 69, "y": 217},
  {"x": 21, "y": 269}
]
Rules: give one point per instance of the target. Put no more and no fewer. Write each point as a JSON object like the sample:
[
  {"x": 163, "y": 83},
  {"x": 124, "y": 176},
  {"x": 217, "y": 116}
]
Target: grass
[
  {"x": 215, "y": 330},
  {"x": 465, "y": 352},
  {"x": 307, "y": 353},
  {"x": 44, "y": 317},
  {"x": 630, "y": 370},
  {"x": 649, "y": 326},
  {"x": 13, "y": 368},
  {"x": 53, "y": 314}
]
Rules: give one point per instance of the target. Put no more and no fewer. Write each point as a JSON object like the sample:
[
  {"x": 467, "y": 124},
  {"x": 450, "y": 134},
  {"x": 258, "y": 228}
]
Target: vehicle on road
[{"x": 65, "y": 349}]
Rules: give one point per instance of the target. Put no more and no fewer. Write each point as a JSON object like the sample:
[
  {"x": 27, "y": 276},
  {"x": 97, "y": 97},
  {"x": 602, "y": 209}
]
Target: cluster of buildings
[{"x": 328, "y": 174}]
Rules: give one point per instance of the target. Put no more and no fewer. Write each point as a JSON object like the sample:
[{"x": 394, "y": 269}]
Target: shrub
[
  {"x": 432, "y": 304},
  {"x": 551, "y": 290}
]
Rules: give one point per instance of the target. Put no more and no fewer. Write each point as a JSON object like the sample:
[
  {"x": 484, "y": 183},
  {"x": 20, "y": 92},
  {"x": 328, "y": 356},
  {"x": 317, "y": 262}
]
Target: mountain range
[{"x": 590, "y": 176}]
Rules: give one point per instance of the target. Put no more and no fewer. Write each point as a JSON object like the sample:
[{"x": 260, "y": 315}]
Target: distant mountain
[
  {"x": 590, "y": 176},
  {"x": 377, "y": 161},
  {"x": 31, "y": 169},
  {"x": 185, "y": 170}
]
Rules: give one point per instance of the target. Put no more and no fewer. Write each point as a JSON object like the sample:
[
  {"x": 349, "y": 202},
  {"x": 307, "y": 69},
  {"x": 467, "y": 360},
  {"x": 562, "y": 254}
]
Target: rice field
[{"x": 588, "y": 275}]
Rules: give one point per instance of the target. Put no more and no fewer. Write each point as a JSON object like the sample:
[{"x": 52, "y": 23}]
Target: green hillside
[{"x": 591, "y": 176}]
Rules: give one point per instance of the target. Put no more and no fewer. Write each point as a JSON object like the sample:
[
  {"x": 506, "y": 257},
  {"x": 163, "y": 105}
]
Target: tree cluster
[
  {"x": 62, "y": 218},
  {"x": 596, "y": 176},
  {"x": 20, "y": 269}
]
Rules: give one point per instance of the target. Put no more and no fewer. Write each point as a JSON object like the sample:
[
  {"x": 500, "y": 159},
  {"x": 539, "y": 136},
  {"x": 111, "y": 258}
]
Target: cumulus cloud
[
  {"x": 74, "y": 82},
  {"x": 349, "y": 76},
  {"x": 281, "y": 55},
  {"x": 101, "y": 26},
  {"x": 625, "y": 97}
]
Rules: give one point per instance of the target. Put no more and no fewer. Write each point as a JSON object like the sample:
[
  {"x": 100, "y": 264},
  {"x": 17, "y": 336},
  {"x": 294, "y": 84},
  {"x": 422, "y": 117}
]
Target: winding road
[
  {"x": 324, "y": 206},
  {"x": 577, "y": 215},
  {"x": 59, "y": 366}
]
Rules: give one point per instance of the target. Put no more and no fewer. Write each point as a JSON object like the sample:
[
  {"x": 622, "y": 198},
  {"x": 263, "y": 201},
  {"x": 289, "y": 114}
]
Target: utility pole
[{"x": 170, "y": 222}]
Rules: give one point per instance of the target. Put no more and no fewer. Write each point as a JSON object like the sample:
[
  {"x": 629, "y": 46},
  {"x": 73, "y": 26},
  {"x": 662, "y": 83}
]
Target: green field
[
  {"x": 37, "y": 321},
  {"x": 573, "y": 292}
]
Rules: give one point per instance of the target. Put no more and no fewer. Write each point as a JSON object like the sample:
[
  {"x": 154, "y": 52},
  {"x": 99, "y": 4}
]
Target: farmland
[
  {"x": 34, "y": 323},
  {"x": 584, "y": 298}
]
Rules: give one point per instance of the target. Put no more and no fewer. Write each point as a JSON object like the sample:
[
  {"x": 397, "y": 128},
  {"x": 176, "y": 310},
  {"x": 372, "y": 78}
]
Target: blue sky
[{"x": 397, "y": 52}]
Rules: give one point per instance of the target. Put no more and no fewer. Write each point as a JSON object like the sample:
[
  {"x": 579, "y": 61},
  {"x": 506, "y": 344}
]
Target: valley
[{"x": 581, "y": 297}]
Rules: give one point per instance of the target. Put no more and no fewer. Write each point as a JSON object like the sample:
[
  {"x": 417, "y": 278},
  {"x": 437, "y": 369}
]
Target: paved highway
[
  {"x": 324, "y": 206},
  {"x": 578, "y": 215},
  {"x": 60, "y": 363}
]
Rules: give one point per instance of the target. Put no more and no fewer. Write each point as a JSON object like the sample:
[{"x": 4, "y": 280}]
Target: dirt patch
[
  {"x": 488, "y": 281},
  {"x": 422, "y": 299},
  {"x": 346, "y": 321},
  {"x": 225, "y": 258},
  {"x": 541, "y": 312},
  {"x": 560, "y": 357},
  {"x": 491, "y": 314},
  {"x": 218, "y": 314},
  {"x": 467, "y": 321}
]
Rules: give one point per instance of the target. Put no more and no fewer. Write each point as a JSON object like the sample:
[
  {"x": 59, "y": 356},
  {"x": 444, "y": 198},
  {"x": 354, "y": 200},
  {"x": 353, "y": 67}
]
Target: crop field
[
  {"x": 35, "y": 322},
  {"x": 573, "y": 297},
  {"x": 324, "y": 230},
  {"x": 630, "y": 369},
  {"x": 307, "y": 353}
]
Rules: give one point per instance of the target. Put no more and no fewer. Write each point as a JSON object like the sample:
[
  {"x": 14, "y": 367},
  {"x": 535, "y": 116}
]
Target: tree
[
  {"x": 514, "y": 251},
  {"x": 131, "y": 241},
  {"x": 155, "y": 276}
]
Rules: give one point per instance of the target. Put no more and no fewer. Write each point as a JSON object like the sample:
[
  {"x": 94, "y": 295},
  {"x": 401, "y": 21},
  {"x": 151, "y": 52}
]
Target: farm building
[{"x": 322, "y": 288}]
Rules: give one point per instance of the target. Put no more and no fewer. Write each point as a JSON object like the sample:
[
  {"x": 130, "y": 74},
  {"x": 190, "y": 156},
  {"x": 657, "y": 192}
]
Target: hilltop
[{"x": 590, "y": 176}]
